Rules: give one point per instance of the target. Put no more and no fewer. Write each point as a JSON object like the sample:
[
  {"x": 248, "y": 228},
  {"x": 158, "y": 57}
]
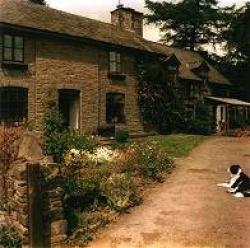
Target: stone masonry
[
  {"x": 55, "y": 64},
  {"x": 29, "y": 203}
]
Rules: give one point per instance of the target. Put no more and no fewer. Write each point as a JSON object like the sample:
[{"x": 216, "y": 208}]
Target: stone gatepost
[{"x": 32, "y": 206}]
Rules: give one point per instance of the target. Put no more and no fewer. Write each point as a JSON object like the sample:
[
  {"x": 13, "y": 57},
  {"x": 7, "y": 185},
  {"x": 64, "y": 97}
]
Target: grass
[{"x": 176, "y": 145}]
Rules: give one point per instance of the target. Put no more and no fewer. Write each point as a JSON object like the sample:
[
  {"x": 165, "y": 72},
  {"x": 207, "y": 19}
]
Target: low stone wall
[
  {"x": 17, "y": 199},
  {"x": 31, "y": 205}
]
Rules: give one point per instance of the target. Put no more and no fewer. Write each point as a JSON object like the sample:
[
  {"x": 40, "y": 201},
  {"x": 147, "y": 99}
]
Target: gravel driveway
[{"x": 188, "y": 210}]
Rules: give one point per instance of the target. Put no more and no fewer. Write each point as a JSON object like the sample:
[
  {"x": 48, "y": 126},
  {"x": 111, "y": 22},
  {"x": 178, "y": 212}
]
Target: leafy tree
[
  {"x": 189, "y": 23},
  {"x": 41, "y": 2}
]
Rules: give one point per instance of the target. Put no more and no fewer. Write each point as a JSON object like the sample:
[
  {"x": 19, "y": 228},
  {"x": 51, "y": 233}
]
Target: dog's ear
[{"x": 234, "y": 169}]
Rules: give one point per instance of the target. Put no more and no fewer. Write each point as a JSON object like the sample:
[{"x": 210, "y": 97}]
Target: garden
[{"x": 100, "y": 182}]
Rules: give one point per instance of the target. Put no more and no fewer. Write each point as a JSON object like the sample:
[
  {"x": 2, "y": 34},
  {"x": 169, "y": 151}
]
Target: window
[
  {"x": 13, "y": 105},
  {"x": 12, "y": 48},
  {"x": 115, "y": 105},
  {"x": 114, "y": 62}
]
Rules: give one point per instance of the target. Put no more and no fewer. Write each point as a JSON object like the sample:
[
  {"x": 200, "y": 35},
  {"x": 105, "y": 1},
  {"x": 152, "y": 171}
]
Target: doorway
[
  {"x": 69, "y": 107},
  {"x": 221, "y": 118}
]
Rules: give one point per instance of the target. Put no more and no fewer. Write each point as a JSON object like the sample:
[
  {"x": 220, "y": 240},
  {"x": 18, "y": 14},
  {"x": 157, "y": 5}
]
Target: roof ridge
[
  {"x": 47, "y": 7},
  {"x": 84, "y": 18}
]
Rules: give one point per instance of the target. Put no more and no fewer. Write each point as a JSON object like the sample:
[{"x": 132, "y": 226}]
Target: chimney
[{"x": 128, "y": 19}]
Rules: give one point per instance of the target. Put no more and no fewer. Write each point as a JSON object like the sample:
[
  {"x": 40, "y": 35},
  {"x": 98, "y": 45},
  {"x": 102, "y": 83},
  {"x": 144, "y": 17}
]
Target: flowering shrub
[
  {"x": 120, "y": 192},
  {"x": 82, "y": 158},
  {"x": 152, "y": 162},
  {"x": 82, "y": 192},
  {"x": 143, "y": 160},
  {"x": 9, "y": 138}
]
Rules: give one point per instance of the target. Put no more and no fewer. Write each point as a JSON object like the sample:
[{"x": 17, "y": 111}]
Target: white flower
[
  {"x": 75, "y": 152},
  {"x": 100, "y": 155}
]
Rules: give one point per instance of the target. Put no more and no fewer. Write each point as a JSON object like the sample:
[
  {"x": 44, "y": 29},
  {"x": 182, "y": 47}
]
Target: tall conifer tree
[{"x": 187, "y": 23}]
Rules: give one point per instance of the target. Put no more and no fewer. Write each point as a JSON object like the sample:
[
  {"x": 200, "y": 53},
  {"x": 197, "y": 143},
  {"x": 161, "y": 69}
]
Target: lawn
[{"x": 176, "y": 145}]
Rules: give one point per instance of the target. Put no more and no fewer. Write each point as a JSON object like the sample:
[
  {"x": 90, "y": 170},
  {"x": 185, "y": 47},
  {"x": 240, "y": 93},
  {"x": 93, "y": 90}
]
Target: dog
[{"x": 239, "y": 184}]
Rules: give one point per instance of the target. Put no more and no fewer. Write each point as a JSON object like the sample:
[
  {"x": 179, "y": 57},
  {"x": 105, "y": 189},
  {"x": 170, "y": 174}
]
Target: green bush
[
  {"x": 121, "y": 136},
  {"x": 9, "y": 237},
  {"x": 83, "y": 192},
  {"x": 53, "y": 122},
  {"x": 59, "y": 139},
  {"x": 202, "y": 122},
  {"x": 152, "y": 163},
  {"x": 120, "y": 192},
  {"x": 148, "y": 162}
]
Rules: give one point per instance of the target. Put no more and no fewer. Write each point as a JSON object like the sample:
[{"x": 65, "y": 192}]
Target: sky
[{"x": 100, "y": 10}]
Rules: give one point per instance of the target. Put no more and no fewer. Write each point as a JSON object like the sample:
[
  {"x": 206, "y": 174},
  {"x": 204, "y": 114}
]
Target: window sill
[
  {"x": 117, "y": 76},
  {"x": 14, "y": 65}
]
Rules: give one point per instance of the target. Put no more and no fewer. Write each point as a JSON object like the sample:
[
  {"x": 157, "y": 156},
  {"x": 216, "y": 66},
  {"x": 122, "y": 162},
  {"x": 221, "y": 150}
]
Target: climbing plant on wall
[
  {"x": 160, "y": 99},
  {"x": 9, "y": 140}
]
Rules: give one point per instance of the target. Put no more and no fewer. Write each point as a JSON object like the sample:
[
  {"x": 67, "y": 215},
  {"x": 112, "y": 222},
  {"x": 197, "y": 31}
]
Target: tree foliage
[
  {"x": 238, "y": 35},
  {"x": 202, "y": 122},
  {"x": 41, "y": 2},
  {"x": 160, "y": 102},
  {"x": 235, "y": 65},
  {"x": 189, "y": 23}
]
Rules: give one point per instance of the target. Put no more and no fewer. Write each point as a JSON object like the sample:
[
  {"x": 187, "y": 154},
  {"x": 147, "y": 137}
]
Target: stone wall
[
  {"x": 33, "y": 209},
  {"x": 31, "y": 205}
]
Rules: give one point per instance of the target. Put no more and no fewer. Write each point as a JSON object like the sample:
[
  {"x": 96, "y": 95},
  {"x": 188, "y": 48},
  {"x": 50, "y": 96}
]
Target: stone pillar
[{"x": 55, "y": 223}]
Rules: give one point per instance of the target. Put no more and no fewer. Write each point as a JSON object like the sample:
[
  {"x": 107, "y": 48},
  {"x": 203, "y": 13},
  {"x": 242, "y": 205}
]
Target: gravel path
[{"x": 188, "y": 210}]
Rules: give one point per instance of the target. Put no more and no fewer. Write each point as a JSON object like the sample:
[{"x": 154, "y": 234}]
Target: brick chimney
[{"x": 128, "y": 19}]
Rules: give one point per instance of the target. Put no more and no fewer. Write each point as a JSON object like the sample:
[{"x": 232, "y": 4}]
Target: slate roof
[{"x": 25, "y": 14}]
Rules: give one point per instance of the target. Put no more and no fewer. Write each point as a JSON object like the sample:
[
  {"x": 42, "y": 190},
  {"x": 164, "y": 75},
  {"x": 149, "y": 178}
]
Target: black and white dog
[{"x": 239, "y": 184}]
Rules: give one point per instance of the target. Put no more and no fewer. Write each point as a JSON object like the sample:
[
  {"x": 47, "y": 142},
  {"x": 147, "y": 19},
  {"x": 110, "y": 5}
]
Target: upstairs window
[
  {"x": 115, "y": 106},
  {"x": 115, "y": 62},
  {"x": 12, "y": 48}
]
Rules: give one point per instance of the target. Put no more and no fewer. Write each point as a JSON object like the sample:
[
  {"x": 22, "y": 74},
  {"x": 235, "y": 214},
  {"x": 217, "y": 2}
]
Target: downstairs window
[
  {"x": 13, "y": 105},
  {"x": 115, "y": 108}
]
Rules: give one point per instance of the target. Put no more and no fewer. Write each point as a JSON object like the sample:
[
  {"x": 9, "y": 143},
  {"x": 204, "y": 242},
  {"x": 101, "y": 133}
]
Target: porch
[{"x": 230, "y": 113}]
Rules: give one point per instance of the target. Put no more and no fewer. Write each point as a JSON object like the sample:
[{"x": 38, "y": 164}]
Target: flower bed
[
  {"x": 240, "y": 132},
  {"x": 106, "y": 183}
]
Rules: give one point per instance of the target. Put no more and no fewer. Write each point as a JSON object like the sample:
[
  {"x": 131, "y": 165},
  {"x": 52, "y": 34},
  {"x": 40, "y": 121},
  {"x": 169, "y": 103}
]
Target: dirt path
[{"x": 188, "y": 210}]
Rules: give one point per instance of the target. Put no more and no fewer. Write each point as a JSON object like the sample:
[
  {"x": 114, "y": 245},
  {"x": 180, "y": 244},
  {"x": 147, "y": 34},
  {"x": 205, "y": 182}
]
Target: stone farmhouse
[{"x": 88, "y": 68}]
